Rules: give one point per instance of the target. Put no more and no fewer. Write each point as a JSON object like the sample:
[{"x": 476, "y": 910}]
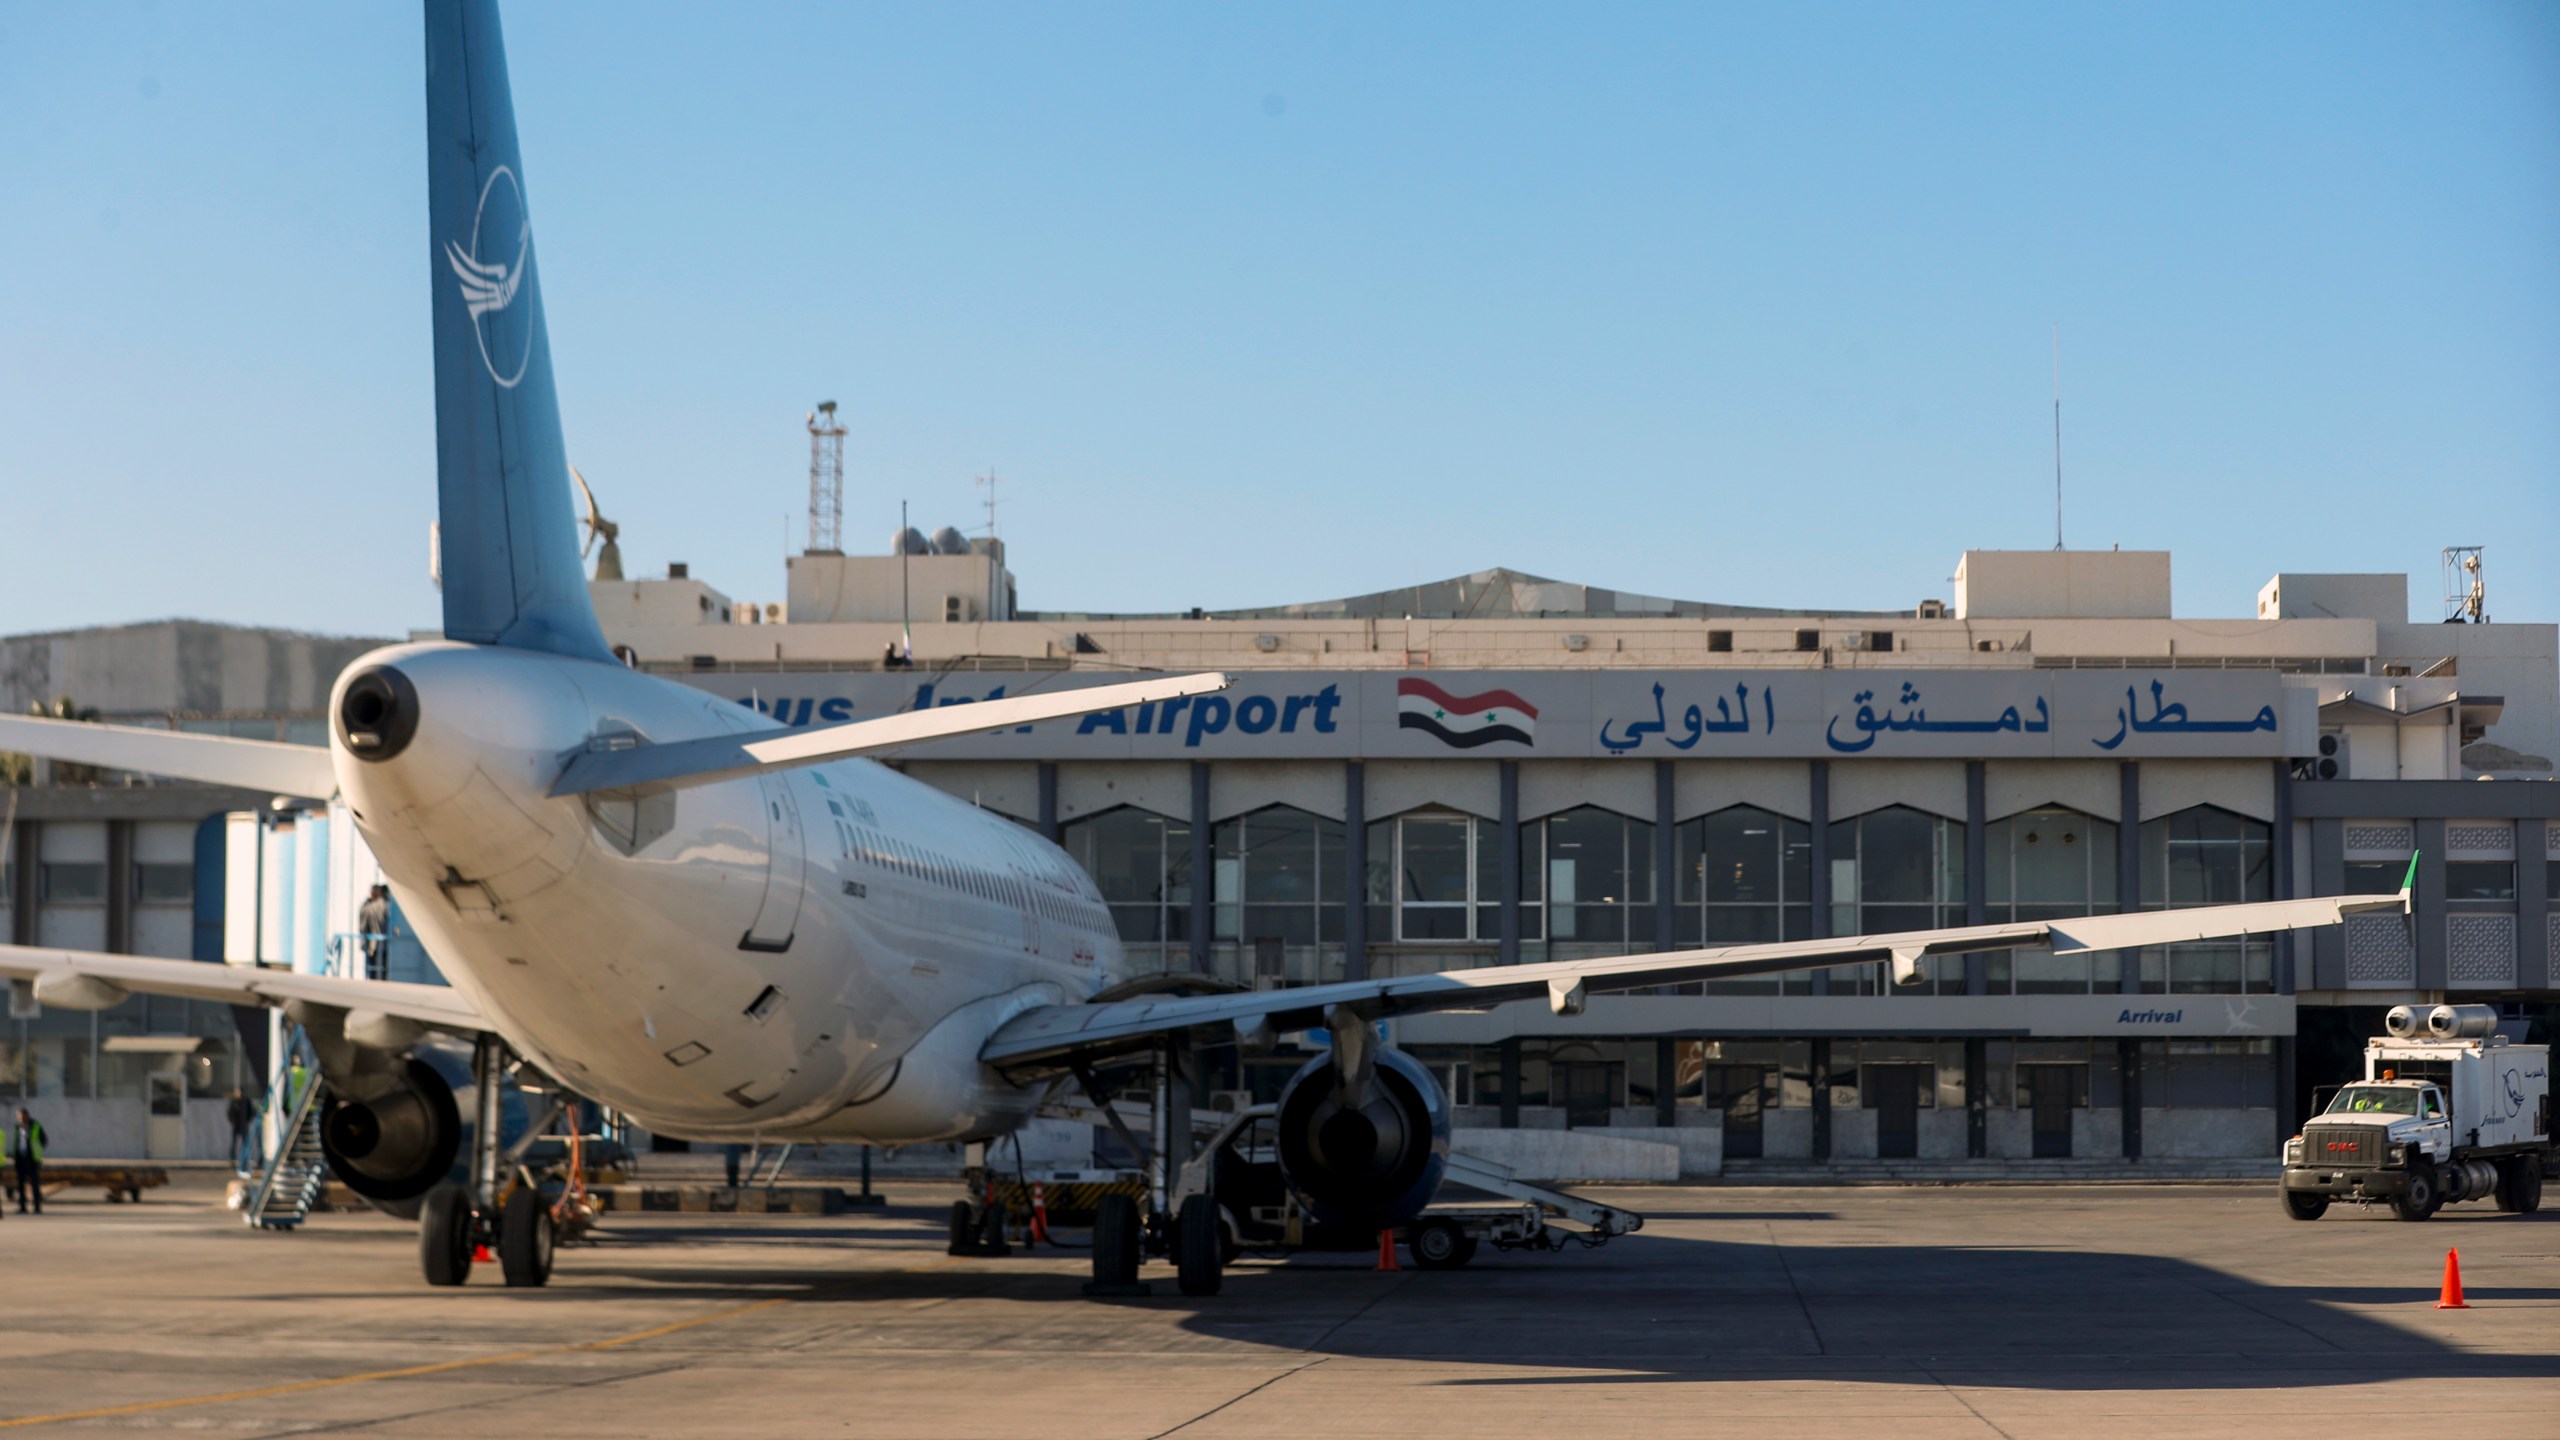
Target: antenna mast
[
  {"x": 2057, "y": 437},
  {"x": 826, "y": 481},
  {"x": 987, "y": 482}
]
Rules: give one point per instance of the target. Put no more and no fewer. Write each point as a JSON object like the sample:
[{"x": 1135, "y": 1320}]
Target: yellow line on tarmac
[{"x": 407, "y": 1372}]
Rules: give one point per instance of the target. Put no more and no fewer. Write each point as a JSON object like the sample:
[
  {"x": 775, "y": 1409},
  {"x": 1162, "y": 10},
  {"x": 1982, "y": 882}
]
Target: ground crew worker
[
  {"x": 294, "y": 1076},
  {"x": 26, "y": 1160},
  {"x": 242, "y": 1114}
]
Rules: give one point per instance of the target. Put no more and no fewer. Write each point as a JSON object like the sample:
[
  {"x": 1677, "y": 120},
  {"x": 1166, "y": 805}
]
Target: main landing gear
[{"x": 462, "y": 1224}]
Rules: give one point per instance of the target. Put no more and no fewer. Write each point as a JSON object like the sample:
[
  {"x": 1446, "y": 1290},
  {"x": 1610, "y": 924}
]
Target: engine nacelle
[
  {"x": 398, "y": 1143},
  {"x": 1372, "y": 1167}
]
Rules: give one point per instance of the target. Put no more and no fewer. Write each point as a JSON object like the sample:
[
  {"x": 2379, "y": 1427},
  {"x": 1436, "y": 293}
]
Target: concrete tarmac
[{"x": 1984, "y": 1311}]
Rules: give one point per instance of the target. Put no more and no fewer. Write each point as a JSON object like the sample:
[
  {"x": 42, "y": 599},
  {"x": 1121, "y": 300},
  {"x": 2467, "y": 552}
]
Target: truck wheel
[
  {"x": 1439, "y": 1245},
  {"x": 1115, "y": 1241},
  {"x": 2419, "y": 1200},
  {"x": 2528, "y": 1184},
  {"x": 2510, "y": 1176},
  {"x": 2304, "y": 1205},
  {"x": 1199, "y": 1246}
]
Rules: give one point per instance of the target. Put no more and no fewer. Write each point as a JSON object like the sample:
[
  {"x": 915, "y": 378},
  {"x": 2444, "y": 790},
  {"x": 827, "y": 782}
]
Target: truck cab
[{"x": 2408, "y": 1113}]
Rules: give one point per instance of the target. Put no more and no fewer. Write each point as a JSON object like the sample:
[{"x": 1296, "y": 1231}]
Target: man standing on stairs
[{"x": 26, "y": 1160}]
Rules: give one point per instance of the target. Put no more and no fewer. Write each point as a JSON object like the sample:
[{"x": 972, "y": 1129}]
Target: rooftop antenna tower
[
  {"x": 2466, "y": 589},
  {"x": 2057, "y": 437},
  {"x": 987, "y": 483},
  {"x": 826, "y": 481}
]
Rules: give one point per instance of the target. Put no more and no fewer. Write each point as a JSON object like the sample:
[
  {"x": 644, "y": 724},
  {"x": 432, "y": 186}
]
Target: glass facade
[
  {"x": 2208, "y": 856},
  {"x": 1897, "y": 869},
  {"x": 1744, "y": 876},
  {"x": 1277, "y": 884},
  {"x": 1142, "y": 864},
  {"x": 2049, "y": 864}
]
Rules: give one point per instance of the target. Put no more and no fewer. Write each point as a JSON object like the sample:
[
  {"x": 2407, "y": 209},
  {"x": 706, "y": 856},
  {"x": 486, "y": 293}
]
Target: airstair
[{"x": 291, "y": 1182}]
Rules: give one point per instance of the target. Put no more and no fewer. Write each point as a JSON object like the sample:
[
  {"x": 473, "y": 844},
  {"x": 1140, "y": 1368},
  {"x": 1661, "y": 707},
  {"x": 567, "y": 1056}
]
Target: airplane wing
[
  {"x": 682, "y": 763},
  {"x": 1057, "y": 1036},
  {"x": 298, "y": 770},
  {"x": 89, "y": 980}
]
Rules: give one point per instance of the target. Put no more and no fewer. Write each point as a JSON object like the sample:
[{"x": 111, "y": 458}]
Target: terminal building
[
  {"x": 100, "y": 860},
  {"x": 1502, "y": 768}
]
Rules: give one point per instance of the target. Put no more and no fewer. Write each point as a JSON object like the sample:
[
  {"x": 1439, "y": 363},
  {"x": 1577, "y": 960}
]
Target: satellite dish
[{"x": 608, "y": 564}]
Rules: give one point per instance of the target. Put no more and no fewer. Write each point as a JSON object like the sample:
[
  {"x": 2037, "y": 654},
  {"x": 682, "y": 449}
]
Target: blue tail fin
[{"x": 510, "y": 543}]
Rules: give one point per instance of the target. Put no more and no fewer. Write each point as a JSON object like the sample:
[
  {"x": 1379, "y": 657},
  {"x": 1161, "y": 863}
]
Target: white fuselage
[{"x": 813, "y": 954}]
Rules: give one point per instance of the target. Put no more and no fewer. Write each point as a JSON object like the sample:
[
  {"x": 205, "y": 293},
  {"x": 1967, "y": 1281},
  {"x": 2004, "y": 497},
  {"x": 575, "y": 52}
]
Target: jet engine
[
  {"x": 1371, "y": 1164},
  {"x": 397, "y": 1142}
]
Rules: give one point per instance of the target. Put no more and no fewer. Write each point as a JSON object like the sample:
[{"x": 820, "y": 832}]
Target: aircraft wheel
[
  {"x": 1439, "y": 1245},
  {"x": 524, "y": 1239},
  {"x": 964, "y": 1229},
  {"x": 1115, "y": 1241},
  {"x": 2304, "y": 1205},
  {"x": 991, "y": 1230},
  {"x": 1199, "y": 1246},
  {"x": 445, "y": 1239}
]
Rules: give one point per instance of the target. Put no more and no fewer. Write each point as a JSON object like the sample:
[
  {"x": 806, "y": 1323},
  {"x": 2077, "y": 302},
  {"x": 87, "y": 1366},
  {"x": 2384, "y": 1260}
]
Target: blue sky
[{"x": 1258, "y": 303}]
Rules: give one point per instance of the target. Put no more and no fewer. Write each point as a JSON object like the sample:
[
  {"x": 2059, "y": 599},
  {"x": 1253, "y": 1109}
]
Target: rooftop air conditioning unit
[
  {"x": 1933, "y": 609},
  {"x": 1853, "y": 640}
]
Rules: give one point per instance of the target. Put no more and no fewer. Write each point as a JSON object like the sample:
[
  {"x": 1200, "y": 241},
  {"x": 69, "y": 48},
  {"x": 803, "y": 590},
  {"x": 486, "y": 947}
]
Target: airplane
[{"x": 731, "y": 931}]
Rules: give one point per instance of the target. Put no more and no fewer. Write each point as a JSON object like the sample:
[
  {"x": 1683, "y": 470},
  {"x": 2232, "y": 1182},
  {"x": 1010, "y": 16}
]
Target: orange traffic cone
[
  {"x": 1387, "y": 1253},
  {"x": 2451, "y": 1297}
]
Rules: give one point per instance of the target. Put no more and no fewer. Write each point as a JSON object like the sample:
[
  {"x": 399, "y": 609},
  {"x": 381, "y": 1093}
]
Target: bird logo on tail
[{"x": 490, "y": 285}]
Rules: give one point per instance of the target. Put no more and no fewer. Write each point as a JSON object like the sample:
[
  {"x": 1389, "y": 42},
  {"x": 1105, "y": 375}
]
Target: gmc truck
[{"x": 2448, "y": 1111}]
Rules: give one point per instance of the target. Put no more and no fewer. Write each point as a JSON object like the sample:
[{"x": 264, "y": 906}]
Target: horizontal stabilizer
[
  {"x": 86, "y": 975},
  {"x": 263, "y": 765},
  {"x": 721, "y": 757}
]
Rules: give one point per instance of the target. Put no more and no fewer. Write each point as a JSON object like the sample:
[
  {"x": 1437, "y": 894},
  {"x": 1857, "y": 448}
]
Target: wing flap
[
  {"x": 264, "y": 765},
  {"x": 435, "y": 1006},
  {"x": 1058, "y": 1034}
]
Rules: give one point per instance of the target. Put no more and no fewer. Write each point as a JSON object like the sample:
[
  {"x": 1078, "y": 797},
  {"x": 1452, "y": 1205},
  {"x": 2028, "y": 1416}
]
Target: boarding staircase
[{"x": 291, "y": 1182}]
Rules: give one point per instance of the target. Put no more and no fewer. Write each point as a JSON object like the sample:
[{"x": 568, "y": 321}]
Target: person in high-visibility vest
[
  {"x": 26, "y": 1160},
  {"x": 294, "y": 1076}
]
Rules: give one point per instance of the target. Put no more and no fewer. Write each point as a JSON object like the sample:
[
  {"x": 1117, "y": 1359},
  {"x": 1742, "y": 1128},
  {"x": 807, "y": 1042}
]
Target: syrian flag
[{"x": 1465, "y": 721}]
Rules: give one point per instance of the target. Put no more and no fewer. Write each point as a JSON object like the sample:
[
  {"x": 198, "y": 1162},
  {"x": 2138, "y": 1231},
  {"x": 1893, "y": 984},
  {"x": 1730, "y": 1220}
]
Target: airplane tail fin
[{"x": 509, "y": 538}]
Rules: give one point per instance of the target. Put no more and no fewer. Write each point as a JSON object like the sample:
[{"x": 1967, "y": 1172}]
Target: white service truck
[{"x": 2448, "y": 1110}]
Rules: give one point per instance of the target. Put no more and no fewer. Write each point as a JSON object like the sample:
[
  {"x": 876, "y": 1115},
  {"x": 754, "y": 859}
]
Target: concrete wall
[
  {"x": 114, "y": 1129},
  {"x": 184, "y": 665},
  {"x": 1942, "y": 1134},
  {"x": 2210, "y": 1135},
  {"x": 1701, "y": 1147},
  {"x": 1853, "y": 1134},
  {"x": 1572, "y": 1155},
  {"x": 2063, "y": 584},
  {"x": 1787, "y": 1135}
]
